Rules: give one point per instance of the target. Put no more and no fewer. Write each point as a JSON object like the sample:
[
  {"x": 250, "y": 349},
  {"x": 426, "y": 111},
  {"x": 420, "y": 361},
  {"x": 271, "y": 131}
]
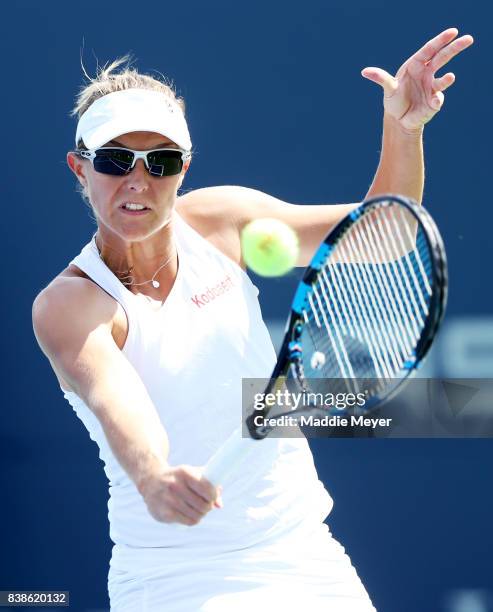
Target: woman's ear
[
  {"x": 184, "y": 170},
  {"x": 75, "y": 163}
]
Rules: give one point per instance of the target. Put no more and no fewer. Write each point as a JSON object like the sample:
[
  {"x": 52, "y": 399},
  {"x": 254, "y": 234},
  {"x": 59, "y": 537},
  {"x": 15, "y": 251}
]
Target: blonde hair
[{"x": 109, "y": 79}]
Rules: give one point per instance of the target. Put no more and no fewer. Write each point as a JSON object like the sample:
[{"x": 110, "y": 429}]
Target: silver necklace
[{"x": 129, "y": 279}]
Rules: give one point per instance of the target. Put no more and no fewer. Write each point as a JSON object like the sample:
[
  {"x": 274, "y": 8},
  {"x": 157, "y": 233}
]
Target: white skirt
[{"x": 303, "y": 571}]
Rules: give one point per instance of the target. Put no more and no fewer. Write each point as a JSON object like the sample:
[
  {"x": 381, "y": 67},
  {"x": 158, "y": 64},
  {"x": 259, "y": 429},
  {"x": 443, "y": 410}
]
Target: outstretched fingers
[
  {"x": 447, "y": 53},
  {"x": 433, "y": 46}
]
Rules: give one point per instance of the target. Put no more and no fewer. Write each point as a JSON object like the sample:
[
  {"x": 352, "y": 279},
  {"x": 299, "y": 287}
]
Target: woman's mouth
[{"x": 134, "y": 208}]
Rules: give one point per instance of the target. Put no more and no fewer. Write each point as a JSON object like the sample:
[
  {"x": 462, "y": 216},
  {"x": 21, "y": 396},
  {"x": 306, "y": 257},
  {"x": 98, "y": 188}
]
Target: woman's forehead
[{"x": 141, "y": 141}]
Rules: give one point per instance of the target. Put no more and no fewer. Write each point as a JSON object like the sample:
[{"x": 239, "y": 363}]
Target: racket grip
[{"x": 228, "y": 457}]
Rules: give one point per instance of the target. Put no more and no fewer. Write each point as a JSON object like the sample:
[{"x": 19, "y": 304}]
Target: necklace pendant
[{"x": 155, "y": 284}]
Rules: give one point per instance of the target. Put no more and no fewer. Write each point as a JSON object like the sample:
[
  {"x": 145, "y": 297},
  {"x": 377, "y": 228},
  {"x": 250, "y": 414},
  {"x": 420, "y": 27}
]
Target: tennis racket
[{"x": 363, "y": 316}]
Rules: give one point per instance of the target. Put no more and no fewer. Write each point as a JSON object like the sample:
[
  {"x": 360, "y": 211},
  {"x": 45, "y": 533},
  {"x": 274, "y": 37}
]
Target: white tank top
[{"x": 192, "y": 354}]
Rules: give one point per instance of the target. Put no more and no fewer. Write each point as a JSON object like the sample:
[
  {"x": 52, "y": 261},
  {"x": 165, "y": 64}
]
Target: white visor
[{"x": 132, "y": 110}]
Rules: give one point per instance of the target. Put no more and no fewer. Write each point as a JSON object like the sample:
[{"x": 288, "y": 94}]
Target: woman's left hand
[{"x": 415, "y": 95}]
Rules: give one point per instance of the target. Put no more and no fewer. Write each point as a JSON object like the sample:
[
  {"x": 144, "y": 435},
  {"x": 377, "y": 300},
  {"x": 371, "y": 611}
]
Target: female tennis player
[{"x": 151, "y": 328}]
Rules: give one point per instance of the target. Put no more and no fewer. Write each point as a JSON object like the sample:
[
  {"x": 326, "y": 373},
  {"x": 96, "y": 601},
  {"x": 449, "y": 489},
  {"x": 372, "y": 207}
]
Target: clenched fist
[{"x": 180, "y": 495}]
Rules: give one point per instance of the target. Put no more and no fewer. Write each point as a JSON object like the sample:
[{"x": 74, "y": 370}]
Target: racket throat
[{"x": 255, "y": 431}]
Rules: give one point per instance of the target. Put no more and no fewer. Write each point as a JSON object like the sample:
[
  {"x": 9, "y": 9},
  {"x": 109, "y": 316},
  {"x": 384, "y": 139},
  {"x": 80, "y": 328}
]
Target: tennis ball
[{"x": 269, "y": 247}]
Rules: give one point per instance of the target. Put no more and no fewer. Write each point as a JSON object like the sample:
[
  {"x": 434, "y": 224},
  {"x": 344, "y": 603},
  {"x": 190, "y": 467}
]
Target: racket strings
[
  {"x": 381, "y": 299},
  {"x": 423, "y": 274},
  {"x": 370, "y": 301},
  {"x": 381, "y": 338},
  {"x": 390, "y": 313},
  {"x": 389, "y": 288},
  {"x": 333, "y": 337},
  {"x": 365, "y": 332},
  {"x": 415, "y": 314},
  {"x": 333, "y": 341}
]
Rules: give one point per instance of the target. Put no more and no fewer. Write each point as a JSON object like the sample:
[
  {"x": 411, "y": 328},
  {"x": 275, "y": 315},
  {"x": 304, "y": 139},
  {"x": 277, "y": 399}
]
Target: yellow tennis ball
[{"x": 269, "y": 247}]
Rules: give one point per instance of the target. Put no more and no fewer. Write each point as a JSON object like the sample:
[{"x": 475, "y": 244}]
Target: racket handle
[{"x": 228, "y": 457}]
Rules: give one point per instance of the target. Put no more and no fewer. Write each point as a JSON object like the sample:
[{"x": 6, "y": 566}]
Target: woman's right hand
[{"x": 180, "y": 495}]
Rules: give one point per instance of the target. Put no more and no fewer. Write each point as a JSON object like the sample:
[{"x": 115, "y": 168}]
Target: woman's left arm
[{"x": 410, "y": 100}]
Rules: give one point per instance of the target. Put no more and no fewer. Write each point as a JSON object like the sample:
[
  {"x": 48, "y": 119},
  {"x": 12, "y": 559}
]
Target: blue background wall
[{"x": 281, "y": 78}]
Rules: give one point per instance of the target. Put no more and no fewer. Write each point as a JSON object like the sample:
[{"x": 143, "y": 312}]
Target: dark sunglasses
[{"x": 118, "y": 161}]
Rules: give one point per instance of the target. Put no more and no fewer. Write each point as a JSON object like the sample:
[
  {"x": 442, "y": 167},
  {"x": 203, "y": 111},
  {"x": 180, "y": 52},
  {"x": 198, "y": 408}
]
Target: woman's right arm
[{"x": 73, "y": 321}]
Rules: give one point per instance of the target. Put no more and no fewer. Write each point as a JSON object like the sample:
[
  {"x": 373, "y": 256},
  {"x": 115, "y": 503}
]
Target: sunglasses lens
[
  {"x": 165, "y": 163},
  {"x": 113, "y": 161}
]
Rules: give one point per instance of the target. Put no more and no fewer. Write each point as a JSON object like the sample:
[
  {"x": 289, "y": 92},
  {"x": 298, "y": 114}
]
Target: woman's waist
[
  {"x": 307, "y": 539},
  {"x": 255, "y": 510}
]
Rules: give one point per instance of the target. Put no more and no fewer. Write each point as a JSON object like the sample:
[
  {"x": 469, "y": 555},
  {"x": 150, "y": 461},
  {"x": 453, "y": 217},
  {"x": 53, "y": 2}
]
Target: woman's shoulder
[
  {"x": 211, "y": 213},
  {"x": 229, "y": 205},
  {"x": 70, "y": 298},
  {"x": 70, "y": 280},
  {"x": 208, "y": 205},
  {"x": 222, "y": 202},
  {"x": 69, "y": 311}
]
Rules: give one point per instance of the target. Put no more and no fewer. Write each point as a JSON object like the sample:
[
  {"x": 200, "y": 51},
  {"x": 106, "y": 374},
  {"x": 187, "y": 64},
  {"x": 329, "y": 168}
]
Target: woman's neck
[{"x": 143, "y": 266}]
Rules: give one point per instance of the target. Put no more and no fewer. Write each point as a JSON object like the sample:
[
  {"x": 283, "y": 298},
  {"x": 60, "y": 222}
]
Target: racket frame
[{"x": 290, "y": 354}]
